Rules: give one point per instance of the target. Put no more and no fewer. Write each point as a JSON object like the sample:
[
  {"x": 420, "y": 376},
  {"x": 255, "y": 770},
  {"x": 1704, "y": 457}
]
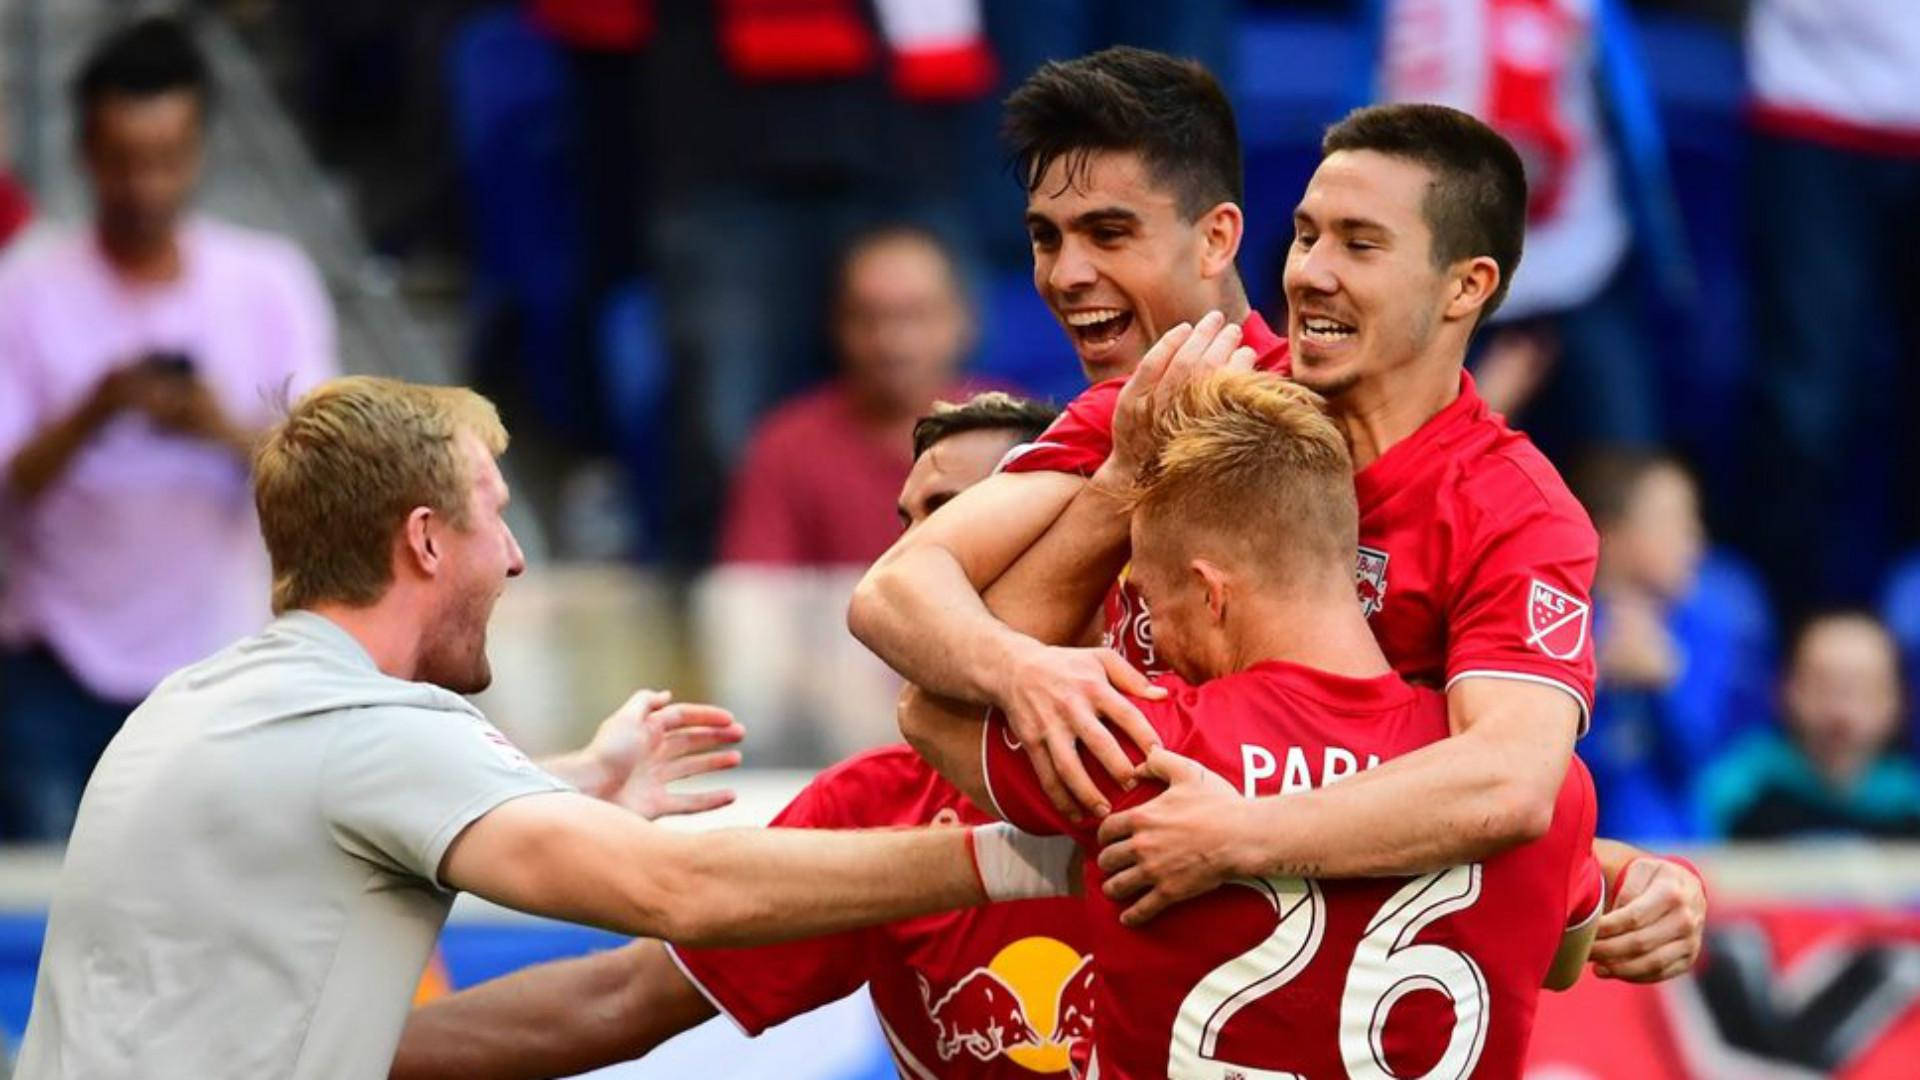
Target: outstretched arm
[
  {"x": 569, "y": 857},
  {"x": 1477, "y": 793},
  {"x": 555, "y": 1019}
]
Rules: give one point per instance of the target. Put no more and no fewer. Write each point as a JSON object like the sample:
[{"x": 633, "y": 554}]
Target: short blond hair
[
  {"x": 335, "y": 480},
  {"x": 1250, "y": 465}
]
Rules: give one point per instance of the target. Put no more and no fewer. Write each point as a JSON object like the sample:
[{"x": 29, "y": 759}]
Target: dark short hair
[
  {"x": 148, "y": 57},
  {"x": 994, "y": 410},
  {"x": 1477, "y": 204},
  {"x": 1169, "y": 111},
  {"x": 1605, "y": 479}
]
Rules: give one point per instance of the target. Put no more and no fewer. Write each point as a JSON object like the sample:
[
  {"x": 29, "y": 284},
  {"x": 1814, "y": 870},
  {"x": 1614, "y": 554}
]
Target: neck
[
  {"x": 1324, "y": 631},
  {"x": 1233, "y": 301},
  {"x": 141, "y": 261},
  {"x": 1378, "y": 413},
  {"x": 391, "y": 640}
]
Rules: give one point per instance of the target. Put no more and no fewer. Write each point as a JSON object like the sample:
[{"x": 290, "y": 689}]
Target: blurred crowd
[{"x": 734, "y": 250}]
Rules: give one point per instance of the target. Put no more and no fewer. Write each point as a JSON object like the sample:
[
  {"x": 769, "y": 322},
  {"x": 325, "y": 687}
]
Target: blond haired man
[
  {"x": 267, "y": 850},
  {"x": 1244, "y": 528}
]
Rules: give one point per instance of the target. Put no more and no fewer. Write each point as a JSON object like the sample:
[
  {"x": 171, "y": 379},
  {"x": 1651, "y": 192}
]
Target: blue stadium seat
[
  {"x": 1900, "y": 608},
  {"x": 1022, "y": 344}
]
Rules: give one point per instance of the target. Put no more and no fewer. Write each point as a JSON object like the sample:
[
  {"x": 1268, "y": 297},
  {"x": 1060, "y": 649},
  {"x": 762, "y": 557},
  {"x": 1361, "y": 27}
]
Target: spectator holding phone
[{"x": 138, "y": 359}]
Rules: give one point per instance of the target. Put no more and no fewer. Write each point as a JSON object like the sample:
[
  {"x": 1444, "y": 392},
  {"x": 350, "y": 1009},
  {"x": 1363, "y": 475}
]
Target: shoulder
[
  {"x": 885, "y": 786},
  {"x": 43, "y": 258},
  {"x": 1511, "y": 487}
]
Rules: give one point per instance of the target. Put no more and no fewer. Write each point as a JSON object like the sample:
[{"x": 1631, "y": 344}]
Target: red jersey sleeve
[
  {"x": 1015, "y": 788},
  {"x": 1524, "y": 607},
  {"x": 1078, "y": 441},
  {"x": 760, "y": 987}
]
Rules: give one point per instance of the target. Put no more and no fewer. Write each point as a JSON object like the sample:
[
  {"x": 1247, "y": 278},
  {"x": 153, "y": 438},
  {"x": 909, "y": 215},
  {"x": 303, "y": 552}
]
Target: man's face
[
  {"x": 1363, "y": 295},
  {"x": 1187, "y": 637},
  {"x": 902, "y": 324},
  {"x": 1843, "y": 696},
  {"x": 142, "y": 155},
  {"x": 477, "y": 561},
  {"x": 1114, "y": 259},
  {"x": 948, "y": 468},
  {"x": 1660, "y": 539}
]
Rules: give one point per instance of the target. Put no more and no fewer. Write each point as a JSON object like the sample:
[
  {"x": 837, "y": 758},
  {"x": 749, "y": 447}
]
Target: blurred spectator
[
  {"x": 1830, "y": 768},
  {"x": 774, "y": 638},
  {"x": 784, "y": 127},
  {"x": 1573, "y": 325},
  {"x": 138, "y": 359},
  {"x": 1835, "y": 183},
  {"x": 1683, "y": 645},
  {"x": 819, "y": 478}
]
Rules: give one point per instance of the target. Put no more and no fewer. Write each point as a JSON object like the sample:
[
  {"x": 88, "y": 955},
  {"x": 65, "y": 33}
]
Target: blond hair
[
  {"x": 1251, "y": 466},
  {"x": 336, "y": 478}
]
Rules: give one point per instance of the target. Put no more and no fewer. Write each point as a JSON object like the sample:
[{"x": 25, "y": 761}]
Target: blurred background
[{"x": 711, "y": 268}]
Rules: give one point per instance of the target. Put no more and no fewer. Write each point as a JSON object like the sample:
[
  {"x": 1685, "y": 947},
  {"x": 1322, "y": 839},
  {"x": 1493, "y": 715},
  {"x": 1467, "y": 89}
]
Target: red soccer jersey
[
  {"x": 1434, "y": 975},
  {"x": 999, "y": 992},
  {"x": 1475, "y": 559}
]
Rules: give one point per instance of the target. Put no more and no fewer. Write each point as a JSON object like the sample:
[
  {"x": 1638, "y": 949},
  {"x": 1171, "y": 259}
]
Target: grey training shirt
[{"x": 250, "y": 890}]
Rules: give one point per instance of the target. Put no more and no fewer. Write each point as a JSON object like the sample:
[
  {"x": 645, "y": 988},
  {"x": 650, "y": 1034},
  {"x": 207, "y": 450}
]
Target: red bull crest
[{"x": 1030, "y": 1005}]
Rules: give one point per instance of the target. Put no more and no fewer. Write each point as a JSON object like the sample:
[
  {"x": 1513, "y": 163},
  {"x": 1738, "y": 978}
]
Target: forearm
[
  {"x": 1054, "y": 589},
  {"x": 756, "y": 886},
  {"x": 557, "y": 1019},
  {"x": 1613, "y": 856},
  {"x": 921, "y": 614},
  {"x": 946, "y": 734},
  {"x": 1477, "y": 796},
  {"x": 45, "y": 457},
  {"x": 578, "y": 768}
]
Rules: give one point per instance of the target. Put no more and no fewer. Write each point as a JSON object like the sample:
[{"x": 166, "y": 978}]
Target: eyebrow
[{"x": 1345, "y": 224}]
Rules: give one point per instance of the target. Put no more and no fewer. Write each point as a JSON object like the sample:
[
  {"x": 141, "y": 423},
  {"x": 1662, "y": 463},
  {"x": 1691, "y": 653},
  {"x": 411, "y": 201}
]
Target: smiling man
[{"x": 1474, "y": 560}]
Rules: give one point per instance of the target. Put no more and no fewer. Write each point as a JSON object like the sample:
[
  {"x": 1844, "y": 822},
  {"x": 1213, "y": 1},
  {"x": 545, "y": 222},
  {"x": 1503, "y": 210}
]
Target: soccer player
[
  {"x": 1475, "y": 560},
  {"x": 991, "y": 992},
  {"x": 269, "y": 846},
  {"x": 1244, "y": 533}
]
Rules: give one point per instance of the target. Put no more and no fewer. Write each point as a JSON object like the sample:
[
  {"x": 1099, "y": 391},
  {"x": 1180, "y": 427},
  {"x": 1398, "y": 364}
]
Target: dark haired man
[
  {"x": 137, "y": 362},
  {"x": 1475, "y": 562},
  {"x": 939, "y": 983}
]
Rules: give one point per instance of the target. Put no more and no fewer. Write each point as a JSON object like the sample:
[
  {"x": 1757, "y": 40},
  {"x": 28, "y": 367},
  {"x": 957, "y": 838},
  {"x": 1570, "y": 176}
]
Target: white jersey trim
[
  {"x": 986, "y": 769},
  {"x": 1598, "y": 908},
  {"x": 1586, "y": 710},
  {"x": 673, "y": 954}
]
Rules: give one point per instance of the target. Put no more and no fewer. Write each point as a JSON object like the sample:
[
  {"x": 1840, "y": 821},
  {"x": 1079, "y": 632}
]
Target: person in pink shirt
[{"x": 139, "y": 358}]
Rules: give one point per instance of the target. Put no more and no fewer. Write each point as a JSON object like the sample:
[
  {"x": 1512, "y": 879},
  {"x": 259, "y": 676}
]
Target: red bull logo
[{"x": 1031, "y": 1004}]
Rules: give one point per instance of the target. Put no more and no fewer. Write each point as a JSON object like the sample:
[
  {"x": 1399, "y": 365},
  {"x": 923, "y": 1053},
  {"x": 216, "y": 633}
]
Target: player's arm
[
  {"x": 920, "y": 608},
  {"x": 570, "y": 857},
  {"x": 1571, "y": 957},
  {"x": 1478, "y": 793},
  {"x": 1656, "y": 918},
  {"x": 946, "y": 734},
  {"x": 555, "y": 1019}
]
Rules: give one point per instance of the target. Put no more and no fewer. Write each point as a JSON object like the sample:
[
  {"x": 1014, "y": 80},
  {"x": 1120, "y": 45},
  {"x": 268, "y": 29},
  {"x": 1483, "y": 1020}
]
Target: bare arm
[
  {"x": 1478, "y": 793},
  {"x": 920, "y": 609},
  {"x": 946, "y": 734},
  {"x": 1571, "y": 958},
  {"x": 555, "y": 1019},
  {"x": 570, "y": 857},
  {"x": 45, "y": 456}
]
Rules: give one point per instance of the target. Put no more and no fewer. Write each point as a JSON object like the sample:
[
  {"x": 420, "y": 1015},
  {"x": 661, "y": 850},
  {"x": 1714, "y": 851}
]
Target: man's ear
[
  {"x": 1474, "y": 283},
  {"x": 419, "y": 547},
  {"x": 1213, "y": 581},
  {"x": 1221, "y": 230}
]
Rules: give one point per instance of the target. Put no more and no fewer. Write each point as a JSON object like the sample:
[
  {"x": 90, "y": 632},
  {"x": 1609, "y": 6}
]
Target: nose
[
  {"x": 1311, "y": 270},
  {"x": 516, "y": 559},
  {"x": 1072, "y": 269}
]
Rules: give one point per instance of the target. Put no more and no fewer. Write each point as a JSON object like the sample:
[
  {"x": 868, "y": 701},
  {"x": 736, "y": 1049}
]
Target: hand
[
  {"x": 647, "y": 744},
  {"x": 1635, "y": 648},
  {"x": 1175, "y": 845},
  {"x": 1055, "y": 699},
  {"x": 1653, "y": 929},
  {"x": 182, "y": 403},
  {"x": 1182, "y": 355}
]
